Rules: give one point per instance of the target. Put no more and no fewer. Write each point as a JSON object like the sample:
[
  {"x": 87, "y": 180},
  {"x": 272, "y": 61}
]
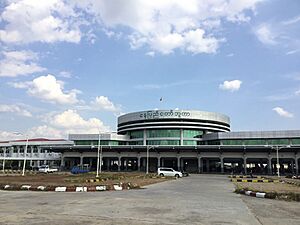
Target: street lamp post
[
  {"x": 25, "y": 156},
  {"x": 25, "y": 152},
  {"x": 98, "y": 154},
  {"x": 278, "y": 165},
  {"x": 277, "y": 148},
  {"x": 4, "y": 152}
]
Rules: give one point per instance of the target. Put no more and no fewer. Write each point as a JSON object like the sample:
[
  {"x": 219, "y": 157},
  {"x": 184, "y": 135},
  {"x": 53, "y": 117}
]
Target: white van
[
  {"x": 162, "y": 171},
  {"x": 47, "y": 169}
]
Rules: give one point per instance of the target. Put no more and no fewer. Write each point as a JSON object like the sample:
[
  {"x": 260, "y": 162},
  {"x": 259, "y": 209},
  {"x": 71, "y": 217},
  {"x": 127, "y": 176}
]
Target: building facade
[
  {"x": 13, "y": 153},
  {"x": 190, "y": 140},
  {"x": 194, "y": 141}
]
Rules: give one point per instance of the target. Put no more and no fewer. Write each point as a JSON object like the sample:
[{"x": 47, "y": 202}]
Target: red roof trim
[{"x": 38, "y": 139}]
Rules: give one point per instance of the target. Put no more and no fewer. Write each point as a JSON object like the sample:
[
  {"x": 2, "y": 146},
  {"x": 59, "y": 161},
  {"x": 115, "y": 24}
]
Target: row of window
[
  {"x": 278, "y": 141},
  {"x": 166, "y": 133},
  {"x": 102, "y": 142},
  {"x": 295, "y": 141}
]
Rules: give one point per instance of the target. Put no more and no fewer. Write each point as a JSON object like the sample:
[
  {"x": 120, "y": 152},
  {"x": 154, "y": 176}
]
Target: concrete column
[
  {"x": 296, "y": 165},
  {"x": 139, "y": 163},
  {"x": 199, "y": 165},
  {"x": 162, "y": 162},
  {"x": 145, "y": 138},
  {"x": 81, "y": 161},
  {"x": 119, "y": 163},
  {"x": 158, "y": 162},
  {"x": 181, "y": 136},
  {"x": 245, "y": 164},
  {"x": 269, "y": 165},
  {"x": 222, "y": 165},
  {"x": 178, "y": 163},
  {"x": 62, "y": 162}
]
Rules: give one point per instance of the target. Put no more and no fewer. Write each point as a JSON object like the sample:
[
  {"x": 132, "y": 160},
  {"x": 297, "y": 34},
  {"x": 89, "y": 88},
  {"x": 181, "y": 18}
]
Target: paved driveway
[{"x": 198, "y": 199}]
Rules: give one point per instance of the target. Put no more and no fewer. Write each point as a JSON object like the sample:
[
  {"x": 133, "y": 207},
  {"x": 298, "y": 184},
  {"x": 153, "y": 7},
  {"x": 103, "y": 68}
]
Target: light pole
[
  {"x": 4, "y": 152},
  {"x": 98, "y": 153},
  {"x": 24, "y": 164},
  {"x": 147, "y": 157},
  {"x": 277, "y": 148},
  {"x": 25, "y": 152},
  {"x": 277, "y": 161}
]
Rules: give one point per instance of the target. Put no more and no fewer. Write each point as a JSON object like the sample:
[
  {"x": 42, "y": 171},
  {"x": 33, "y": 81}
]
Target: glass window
[
  {"x": 15, "y": 149},
  {"x": 213, "y": 142},
  {"x": 296, "y": 141},
  {"x": 189, "y": 142},
  {"x": 83, "y": 142},
  {"x": 163, "y": 142},
  {"x": 278, "y": 141},
  {"x": 35, "y": 149},
  {"x": 255, "y": 142},
  {"x": 135, "y": 142},
  {"x": 232, "y": 142},
  {"x": 163, "y": 133},
  {"x": 136, "y": 134},
  {"x": 192, "y": 133},
  {"x": 21, "y": 149}
]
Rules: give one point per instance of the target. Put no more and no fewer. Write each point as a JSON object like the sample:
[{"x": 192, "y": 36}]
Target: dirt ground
[
  {"x": 269, "y": 187},
  {"x": 68, "y": 179}
]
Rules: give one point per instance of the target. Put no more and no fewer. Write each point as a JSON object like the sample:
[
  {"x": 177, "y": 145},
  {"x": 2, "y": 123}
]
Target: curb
[
  {"x": 116, "y": 187},
  {"x": 254, "y": 194},
  {"x": 255, "y": 180},
  {"x": 237, "y": 176}
]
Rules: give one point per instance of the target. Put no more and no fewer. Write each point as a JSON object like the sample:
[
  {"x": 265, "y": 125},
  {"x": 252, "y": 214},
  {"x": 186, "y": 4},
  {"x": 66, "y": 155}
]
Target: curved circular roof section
[{"x": 173, "y": 119}]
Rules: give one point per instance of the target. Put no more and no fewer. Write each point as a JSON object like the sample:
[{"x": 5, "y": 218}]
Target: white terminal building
[{"x": 190, "y": 140}]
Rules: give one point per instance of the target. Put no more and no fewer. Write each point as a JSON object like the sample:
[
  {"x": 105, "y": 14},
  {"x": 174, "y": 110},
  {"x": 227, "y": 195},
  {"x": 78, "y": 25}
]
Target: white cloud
[
  {"x": 45, "y": 21},
  {"x": 65, "y": 74},
  {"x": 17, "y": 63},
  {"x": 49, "y": 89},
  {"x": 291, "y": 52},
  {"x": 59, "y": 125},
  {"x": 233, "y": 85},
  {"x": 297, "y": 92},
  {"x": 281, "y": 112},
  {"x": 102, "y": 102},
  {"x": 45, "y": 131},
  {"x": 291, "y": 21},
  {"x": 151, "y": 53},
  {"x": 71, "y": 120},
  {"x": 14, "y": 109},
  {"x": 168, "y": 25},
  {"x": 7, "y": 135},
  {"x": 162, "y": 25},
  {"x": 265, "y": 34}
]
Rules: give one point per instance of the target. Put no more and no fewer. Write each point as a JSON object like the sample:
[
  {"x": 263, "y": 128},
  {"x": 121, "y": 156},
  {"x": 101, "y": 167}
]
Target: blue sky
[{"x": 74, "y": 66}]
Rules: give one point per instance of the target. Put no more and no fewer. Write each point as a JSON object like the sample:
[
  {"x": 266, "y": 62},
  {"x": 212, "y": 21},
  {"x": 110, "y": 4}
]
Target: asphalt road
[{"x": 198, "y": 199}]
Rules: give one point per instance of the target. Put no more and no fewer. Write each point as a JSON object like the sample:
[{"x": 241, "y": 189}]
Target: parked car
[
  {"x": 80, "y": 169},
  {"x": 168, "y": 172},
  {"x": 47, "y": 169}
]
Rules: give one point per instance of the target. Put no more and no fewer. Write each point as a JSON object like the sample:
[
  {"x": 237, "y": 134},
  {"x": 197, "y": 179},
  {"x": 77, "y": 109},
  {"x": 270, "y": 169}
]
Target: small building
[{"x": 13, "y": 153}]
